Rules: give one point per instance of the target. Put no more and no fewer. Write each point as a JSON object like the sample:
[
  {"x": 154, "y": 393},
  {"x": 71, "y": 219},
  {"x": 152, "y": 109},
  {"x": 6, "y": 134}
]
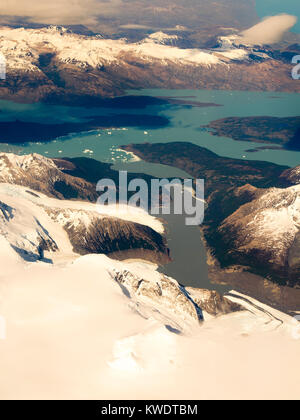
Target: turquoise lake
[{"x": 185, "y": 125}]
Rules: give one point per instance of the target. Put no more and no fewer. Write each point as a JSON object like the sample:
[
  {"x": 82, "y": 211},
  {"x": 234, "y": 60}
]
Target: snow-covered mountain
[
  {"x": 22, "y": 49},
  {"x": 28, "y": 218},
  {"x": 72, "y": 331},
  {"x": 116, "y": 231},
  {"x": 54, "y": 61},
  {"x": 40, "y": 229},
  {"x": 42, "y": 174},
  {"x": 292, "y": 175},
  {"x": 93, "y": 328},
  {"x": 162, "y": 38},
  {"x": 75, "y": 326},
  {"x": 23, "y": 230},
  {"x": 266, "y": 231}
]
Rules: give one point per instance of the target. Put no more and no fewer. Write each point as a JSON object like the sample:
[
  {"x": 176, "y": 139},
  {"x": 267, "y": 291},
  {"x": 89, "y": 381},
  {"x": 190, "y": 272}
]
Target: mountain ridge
[{"x": 52, "y": 64}]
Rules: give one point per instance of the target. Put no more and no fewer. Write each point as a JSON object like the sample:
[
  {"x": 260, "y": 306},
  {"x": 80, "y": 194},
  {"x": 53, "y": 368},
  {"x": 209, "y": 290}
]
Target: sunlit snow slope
[{"x": 90, "y": 327}]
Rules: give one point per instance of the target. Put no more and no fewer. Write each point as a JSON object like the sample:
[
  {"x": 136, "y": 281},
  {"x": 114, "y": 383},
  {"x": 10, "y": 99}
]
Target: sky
[
  {"x": 64, "y": 11},
  {"x": 274, "y": 7},
  {"x": 133, "y": 12}
]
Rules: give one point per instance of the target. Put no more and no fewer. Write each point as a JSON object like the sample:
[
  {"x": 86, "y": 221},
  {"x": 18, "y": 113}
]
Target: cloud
[
  {"x": 270, "y": 30},
  {"x": 135, "y": 27},
  {"x": 64, "y": 12}
]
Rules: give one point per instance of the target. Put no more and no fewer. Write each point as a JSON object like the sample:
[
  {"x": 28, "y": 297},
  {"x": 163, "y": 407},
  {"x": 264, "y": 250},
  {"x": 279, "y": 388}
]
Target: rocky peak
[
  {"x": 292, "y": 176},
  {"x": 160, "y": 298},
  {"x": 265, "y": 232},
  {"x": 43, "y": 175}
]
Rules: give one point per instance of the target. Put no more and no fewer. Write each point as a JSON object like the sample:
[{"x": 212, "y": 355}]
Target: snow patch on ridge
[
  {"x": 278, "y": 218},
  {"x": 22, "y": 48},
  {"x": 83, "y": 315}
]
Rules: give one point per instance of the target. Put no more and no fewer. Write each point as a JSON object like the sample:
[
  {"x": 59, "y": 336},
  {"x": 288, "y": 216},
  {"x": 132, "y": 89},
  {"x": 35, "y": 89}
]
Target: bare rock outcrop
[
  {"x": 43, "y": 175},
  {"x": 265, "y": 234},
  {"x": 213, "y": 302}
]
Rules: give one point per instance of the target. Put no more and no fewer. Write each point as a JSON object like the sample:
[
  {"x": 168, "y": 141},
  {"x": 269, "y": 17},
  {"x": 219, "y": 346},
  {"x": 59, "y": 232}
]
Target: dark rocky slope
[
  {"x": 71, "y": 179},
  {"x": 110, "y": 236},
  {"x": 75, "y": 87},
  {"x": 280, "y": 131},
  {"x": 19, "y": 132},
  {"x": 55, "y": 66}
]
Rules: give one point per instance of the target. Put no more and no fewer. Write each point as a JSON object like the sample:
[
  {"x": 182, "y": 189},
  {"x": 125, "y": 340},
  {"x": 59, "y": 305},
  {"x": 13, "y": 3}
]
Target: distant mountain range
[{"x": 55, "y": 65}]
